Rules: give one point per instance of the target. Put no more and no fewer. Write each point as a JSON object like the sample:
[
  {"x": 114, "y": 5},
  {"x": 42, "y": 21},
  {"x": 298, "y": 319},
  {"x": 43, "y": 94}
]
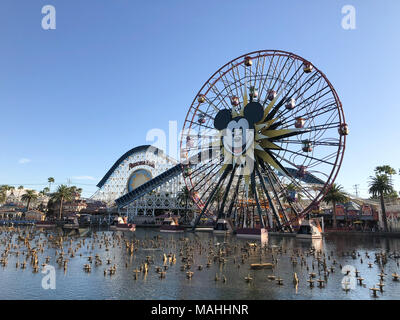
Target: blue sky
[{"x": 74, "y": 99}]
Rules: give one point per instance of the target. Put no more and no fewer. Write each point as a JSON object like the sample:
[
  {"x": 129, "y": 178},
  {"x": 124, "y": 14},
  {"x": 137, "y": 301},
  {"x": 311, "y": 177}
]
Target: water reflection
[{"x": 219, "y": 264}]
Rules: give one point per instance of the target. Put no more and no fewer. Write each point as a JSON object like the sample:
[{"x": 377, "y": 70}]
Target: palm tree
[
  {"x": 184, "y": 196},
  {"x": 2, "y": 196},
  {"x": 218, "y": 195},
  {"x": 76, "y": 191},
  {"x": 63, "y": 193},
  {"x": 20, "y": 188},
  {"x": 334, "y": 196},
  {"x": 381, "y": 185},
  {"x": 292, "y": 187},
  {"x": 388, "y": 170},
  {"x": 46, "y": 190},
  {"x": 79, "y": 191},
  {"x": 4, "y": 189},
  {"x": 28, "y": 196},
  {"x": 50, "y": 181}
]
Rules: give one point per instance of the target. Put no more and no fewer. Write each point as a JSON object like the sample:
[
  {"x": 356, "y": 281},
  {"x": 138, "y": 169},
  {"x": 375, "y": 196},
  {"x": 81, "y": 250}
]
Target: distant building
[
  {"x": 393, "y": 216},
  {"x": 14, "y": 197},
  {"x": 34, "y": 215},
  {"x": 10, "y": 212},
  {"x": 95, "y": 207},
  {"x": 364, "y": 214},
  {"x": 73, "y": 206}
]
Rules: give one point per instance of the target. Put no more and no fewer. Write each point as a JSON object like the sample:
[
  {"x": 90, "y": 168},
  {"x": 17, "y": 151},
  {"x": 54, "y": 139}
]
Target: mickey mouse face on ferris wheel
[{"x": 238, "y": 133}]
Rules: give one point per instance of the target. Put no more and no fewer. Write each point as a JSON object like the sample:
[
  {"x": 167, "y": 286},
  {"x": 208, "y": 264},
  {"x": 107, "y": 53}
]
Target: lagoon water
[{"x": 75, "y": 283}]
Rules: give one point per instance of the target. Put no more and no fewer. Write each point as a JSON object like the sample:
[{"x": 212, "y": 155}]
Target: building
[
  {"x": 34, "y": 215},
  {"x": 14, "y": 197},
  {"x": 357, "y": 214},
  {"x": 94, "y": 207},
  {"x": 393, "y": 216},
  {"x": 73, "y": 206},
  {"x": 11, "y": 212}
]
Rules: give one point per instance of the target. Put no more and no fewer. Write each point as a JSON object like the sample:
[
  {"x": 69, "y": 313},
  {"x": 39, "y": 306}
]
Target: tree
[
  {"x": 76, "y": 191},
  {"x": 28, "y": 196},
  {"x": 218, "y": 195},
  {"x": 4, "y": 189},
  {"x": 393, "y": 195},
  {"x": 2, "y": 196},
  {"x": 46, "y": 190},
  {"x": 381, "y": 185},
  {"x": 79, "y": 190},
  {"x": 291, "y": 187},
  {"x": 20, "y": 188},
  {"x": 390, "y": 172},
  {"x": 334, "y": 196},
  {"x": 385, "y": 169},
  {"x": 50, "y": 181},
  {"x": 63, "y": 193},
  {"x": 184, "y": 197}
]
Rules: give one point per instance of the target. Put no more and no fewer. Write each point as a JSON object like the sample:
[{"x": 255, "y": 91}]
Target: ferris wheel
[{"x": 265, "y": 134}]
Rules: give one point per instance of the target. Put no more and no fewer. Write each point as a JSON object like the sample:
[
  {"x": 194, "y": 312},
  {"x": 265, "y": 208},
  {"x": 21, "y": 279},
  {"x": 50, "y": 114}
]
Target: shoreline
[
  {"x": 363, "y": 233},
  {"x": 390, "y": 234}
]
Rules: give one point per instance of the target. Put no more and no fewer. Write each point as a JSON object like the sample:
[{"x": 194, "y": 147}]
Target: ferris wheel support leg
[
  {"x": 254, "y": 190},
  {"x": 210, "y": 198},
  {"x": 228, "y": 187},
  {"x": 277, "y": 219},
  {"x": 234, "y": 197},
  {"x": 289, "y": 227},
  {"x": 290, "y": 204}
]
